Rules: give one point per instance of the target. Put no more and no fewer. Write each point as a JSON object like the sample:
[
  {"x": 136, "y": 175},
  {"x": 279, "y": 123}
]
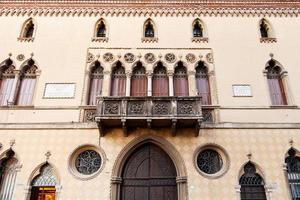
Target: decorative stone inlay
[
  {"x": 190, "y": 57},
  {"x": 268, "y": 40},
  {"x": 89, "y": 115},
  {"x": 170, "y": 57},
  {"x": 90, "y": 58},
  {"x": 207, "y": 115},
  {"x": 99, "y": 39},
  {"x": 209, "y": 58},
  {"x": 200, "y": 39},
  {"x": 161, "y": 108},
  {"x": 136, "y": 108},
  {"x": 112, "y": 108},
  {"x": 150, "y": 58},
  {"x": 185, "y": 108},
  {"x": 108, "y": 57},
  {"x": 20, "y": 57},
  {"x": 129, "y": 57}
]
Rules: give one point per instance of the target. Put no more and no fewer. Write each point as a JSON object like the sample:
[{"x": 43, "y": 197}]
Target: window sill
[
  {"x": 284, "y": 106},
  {"x": 200, "y": 39},
  {"x": 149, "y": 39},
  {"x": 268, "y": 40},
  {"x": 22, "y": 39},
  {"x": 99, "y": 39}
]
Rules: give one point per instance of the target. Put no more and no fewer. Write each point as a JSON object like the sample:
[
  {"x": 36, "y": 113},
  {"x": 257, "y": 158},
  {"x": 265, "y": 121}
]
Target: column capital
[
  {"x": 116, "y": 180},
  {"x": 149, "y": 72},
  {"x": 128, "y": 73},
  {"x": 191, "y": 72},
  {"x": 106, "y": 72},
  {"x": 170, "y": 72}
]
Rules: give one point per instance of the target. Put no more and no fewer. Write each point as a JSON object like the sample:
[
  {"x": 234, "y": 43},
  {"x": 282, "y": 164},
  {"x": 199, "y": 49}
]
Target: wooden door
[
  {"x": 149, "y": 174},
  {"x": 42, "y": 193}
]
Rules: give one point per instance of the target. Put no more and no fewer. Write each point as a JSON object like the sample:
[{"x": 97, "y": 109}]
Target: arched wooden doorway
[{"x": 149, "y": 174}]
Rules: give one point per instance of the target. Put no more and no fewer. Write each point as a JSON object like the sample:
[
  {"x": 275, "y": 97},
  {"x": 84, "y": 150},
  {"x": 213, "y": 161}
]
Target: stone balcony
[{"x": 151, "y": 112}]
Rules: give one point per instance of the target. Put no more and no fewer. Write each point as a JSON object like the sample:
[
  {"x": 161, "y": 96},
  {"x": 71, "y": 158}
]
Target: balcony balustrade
[{"x": 151, "y": 112}]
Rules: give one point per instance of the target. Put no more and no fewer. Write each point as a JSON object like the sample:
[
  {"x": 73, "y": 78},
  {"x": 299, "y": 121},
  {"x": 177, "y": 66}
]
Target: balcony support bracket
[
  {"x": 174, "y": 126},
  {"x": 100, "y": 128},
  {"x": 198, "y": 127},
  {"x": 124, "y": 126}
]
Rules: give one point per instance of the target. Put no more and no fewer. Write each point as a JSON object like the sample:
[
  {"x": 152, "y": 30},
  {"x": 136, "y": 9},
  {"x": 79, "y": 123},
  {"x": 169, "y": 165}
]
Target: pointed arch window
[
  {"x": 181, "y": 87},
  {"x": 138, "y": 81},
  {"x": 118, "y": 80},
  {"x": 8, "y": 173},
  {"x": 293, "y": 173},
  {"x": 101, "y": 29},
  {"x": 275, "y": 82},
  {"x": 100, "y": 32},
  {"x": 149, "y": 28},
  {"x": 160, "y": 81},
  {"x": 27, "y": 83},
  {"x": 266, "y": 32},
  {"x": 197, "y": 28},
  {"x": 28, "y": 29},
  {"x": 202, "y": 83},
  {"x": 252, "y": 184},
  {"x": 96, "y": 82},
  {"x": 7, "y": 78}
]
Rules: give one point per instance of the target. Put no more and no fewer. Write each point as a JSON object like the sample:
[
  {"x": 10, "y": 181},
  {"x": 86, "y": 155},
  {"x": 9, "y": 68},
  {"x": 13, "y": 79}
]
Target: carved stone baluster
[
  {"x": 171, "y": 84},
  {"x": 149, "y": 89},
  {"x": 128, "y": 82}
]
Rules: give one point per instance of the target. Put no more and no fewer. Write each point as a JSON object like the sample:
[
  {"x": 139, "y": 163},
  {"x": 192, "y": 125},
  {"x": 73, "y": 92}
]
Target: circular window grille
[
  {"x": 209, "y": 161},
  {"x": 88, "y": 162}
]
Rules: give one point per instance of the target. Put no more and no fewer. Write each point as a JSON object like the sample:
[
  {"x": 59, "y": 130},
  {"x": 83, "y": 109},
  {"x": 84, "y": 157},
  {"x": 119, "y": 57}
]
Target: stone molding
[{"x": 150, "y": 8}]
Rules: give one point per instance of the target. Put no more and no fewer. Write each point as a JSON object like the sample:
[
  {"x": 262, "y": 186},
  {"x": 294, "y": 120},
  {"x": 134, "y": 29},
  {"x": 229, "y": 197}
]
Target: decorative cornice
[{"x": 149, "y": 8}]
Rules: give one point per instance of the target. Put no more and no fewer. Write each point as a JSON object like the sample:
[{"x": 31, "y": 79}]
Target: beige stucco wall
[{"x": 268, "y": 148}]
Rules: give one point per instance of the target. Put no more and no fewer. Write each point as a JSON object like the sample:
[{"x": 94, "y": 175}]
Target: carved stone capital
[
  {"x": 181, "y": 179},
  {"x": 116, "y": 180}
]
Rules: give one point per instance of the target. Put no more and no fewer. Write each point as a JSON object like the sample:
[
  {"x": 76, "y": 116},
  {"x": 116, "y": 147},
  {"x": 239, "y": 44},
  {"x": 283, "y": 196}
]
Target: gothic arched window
[
  {"x": 96, "y": 81},
  {"x": 8, "y": 173},
  {"x": 149, "y": 29},
  {"x": 28, "y": 29},
  {"x": 275, "y": 82},
  {"x": 7, "y": 77},
  {"x": 100, "y": 29},
  {"x": 181, "y": 86},
  {"x": 118, "y": 80},
  {"x": 160, "y": 81},
  {"x": 252, "y": 184},
  {"x": 27, "y": 83},
  {"x": 293, "y": 173},
  {"x": 138, "y": 81},
  {"x": 202, "y": 83},
  {"x": 264, "y": 29},
  {"x": 197, "y": 28}
]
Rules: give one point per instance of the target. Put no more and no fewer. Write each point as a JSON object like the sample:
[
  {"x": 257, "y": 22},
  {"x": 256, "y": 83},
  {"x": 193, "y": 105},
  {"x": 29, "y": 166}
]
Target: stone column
[
  {"x": 238, "y": 192},
  {"x": 85, "y": 97},
  {"x": 13, "y": 94},
  {"x": 106, "y": 83},
  {"x": 128, "y": 83},
  {"x": 182, "y": 187},
  {"x": 171, "y": 84},
  {"x": 116, "y": 188},
  {"x": 192, "y": 83},
  {"x": 149, "y": 84}
]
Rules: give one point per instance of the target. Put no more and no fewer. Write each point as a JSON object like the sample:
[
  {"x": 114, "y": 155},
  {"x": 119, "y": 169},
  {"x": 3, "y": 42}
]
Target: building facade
[{"x": 148, "y": 100}]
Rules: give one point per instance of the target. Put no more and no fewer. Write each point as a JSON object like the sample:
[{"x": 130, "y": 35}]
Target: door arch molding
[{"x": 181, "y": 179}]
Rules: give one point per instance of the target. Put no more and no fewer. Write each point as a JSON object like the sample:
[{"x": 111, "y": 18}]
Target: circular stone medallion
[
  {"x": 129, "y": 57},
  {"x": 170, "y": 57},
  {"x": 108, "y": 57},
  {"x": 150, "y": 57},
  {"x": 190, "y": 58}
]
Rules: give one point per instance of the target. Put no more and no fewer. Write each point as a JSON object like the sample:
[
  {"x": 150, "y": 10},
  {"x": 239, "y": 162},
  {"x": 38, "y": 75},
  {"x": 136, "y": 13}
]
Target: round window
[
  {"x": 88, "y": 162},
  {"x": 209, "y": 161}
]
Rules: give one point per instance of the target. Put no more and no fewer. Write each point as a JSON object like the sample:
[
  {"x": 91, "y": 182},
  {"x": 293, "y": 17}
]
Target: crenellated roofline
[{"x": 150, "y": 7}]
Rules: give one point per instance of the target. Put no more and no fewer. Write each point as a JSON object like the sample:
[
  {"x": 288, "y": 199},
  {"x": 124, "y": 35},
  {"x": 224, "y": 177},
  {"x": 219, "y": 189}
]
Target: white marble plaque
[
  {"x": 59, "y": 90},
  {"x": 242, "y": 90}
]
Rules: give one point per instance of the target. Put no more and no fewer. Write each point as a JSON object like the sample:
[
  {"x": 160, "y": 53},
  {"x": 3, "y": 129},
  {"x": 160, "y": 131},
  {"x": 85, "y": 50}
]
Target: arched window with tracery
[
  {"x": 28, "y": 29},
  {"x": 27, "y": 83},
  {"x": 181, "y": 86},
  {"x": 100, "y": 29},
  {"x": 292, "y": 162},
  {"x": 149, "y": 30},
  {"x": 118, "y": 80},
  {"x": 275, "y": 82},
  {"x": 7, "y": 77},
  {"x": 43, "y": 184},
  {"x": 96, "y": 81},
  {"x": 197, "y": 28},
  {"x": 160, "y": 81},
  {"x": 138, "y": 81},
  {"x": 8, "y": 173},
  {"x": 202, "y": 83},
  {"x": 252, "y": 184}
]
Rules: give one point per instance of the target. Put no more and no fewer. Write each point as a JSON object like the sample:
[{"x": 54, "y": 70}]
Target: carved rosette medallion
[
  {"x": 111, "y": 108},
  {"x": 89, "y": 115},
  {"x": 161, "y": 108},
  {"x": 108, "y": 57},
  {"x": 20, "y": 57},
  {"x": 150, "y": 57},
  {"x": 191, "y": 58},
  {"x": 90, "y": 58},
  {"x": 129, "y": 58},
  {"x": 209, "y": 58},
  {"x": 170, "y": 57},
  {"x": 136, "y": 108},
  {"x": 185, "y": 108}
]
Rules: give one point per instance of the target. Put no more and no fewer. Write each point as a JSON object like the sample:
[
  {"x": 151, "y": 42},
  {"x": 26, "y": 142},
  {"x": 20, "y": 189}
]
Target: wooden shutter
[
  {"x": 26, "y": 91},
  {"x": 118, "y": 81},
  {"x": 181, "y": 87},
  {"x": 160, "y": 81},
  {"x": 202, "y": 83},
  {"x": 138, "y": 81},
  {"x": 96, "y": 81},
  {"x": 277, "y": 93},
  {"x": 6, "y": 85}
]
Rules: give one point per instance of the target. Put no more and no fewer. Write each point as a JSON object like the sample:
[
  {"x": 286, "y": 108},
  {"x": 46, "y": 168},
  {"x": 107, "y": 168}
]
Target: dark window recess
[
  {"x": 209, "y": 161},
  {"x": 101, "y": 29},
  {"x": 264, "y": 29},
  {"x": 138, "y": 81},
  {"x": 160, "y": 81},
  {"x": 118, "y": 80},
  {"x": 202, "y": 83},
  {"x": 197, "y": 29},
  {"x": 149, "y": 29},
  {"x": 29, "y": 29},
  {"x": 7, "y": 77},
  {"x": 252, "y": 184},
  {"x": 293, "y": 173},
  {"x": 96, "y": 81},
  {"x": 181, "y": 87}
]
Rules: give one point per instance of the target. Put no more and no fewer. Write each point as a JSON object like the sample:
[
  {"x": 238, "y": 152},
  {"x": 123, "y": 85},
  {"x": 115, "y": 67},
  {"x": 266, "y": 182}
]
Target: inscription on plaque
[
  {"x": 59, "y": 90},
  {"x": 242, "y": 91}
]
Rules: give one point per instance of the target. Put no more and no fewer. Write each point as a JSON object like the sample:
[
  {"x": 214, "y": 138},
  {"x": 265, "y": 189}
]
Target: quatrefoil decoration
[
  {"x": 170, "y": 57},
  {"x": 129, "y": 57},
  {"x": 108, "y": 57}
]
